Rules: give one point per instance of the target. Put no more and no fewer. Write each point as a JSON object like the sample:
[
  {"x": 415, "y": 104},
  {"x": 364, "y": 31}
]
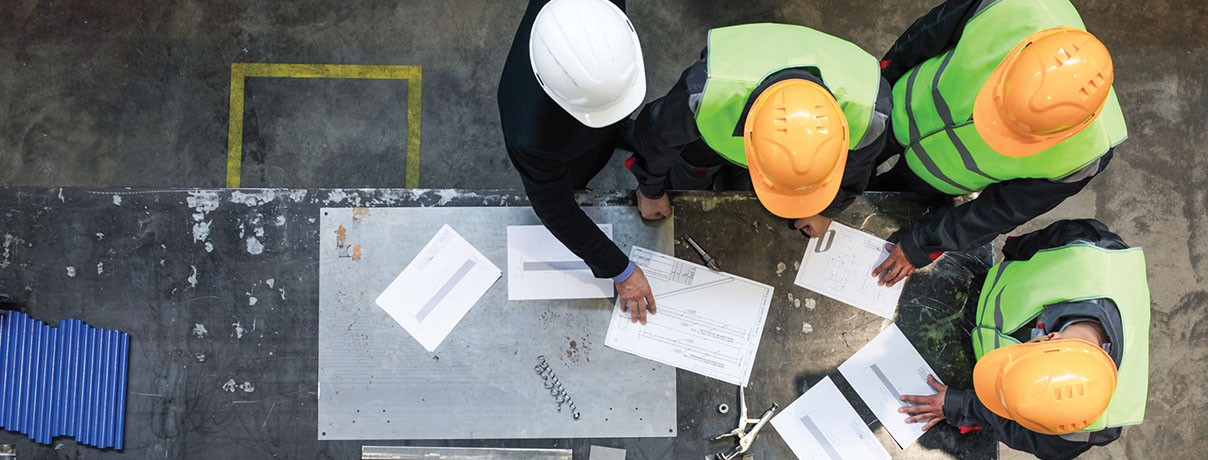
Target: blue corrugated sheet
[{"x": 65, "y": 381}]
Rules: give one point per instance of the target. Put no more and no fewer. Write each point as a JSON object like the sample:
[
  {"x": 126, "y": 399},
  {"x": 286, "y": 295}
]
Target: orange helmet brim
[
  {"x": 791, "y": 204},
  {"x": 987, "y": 377}
]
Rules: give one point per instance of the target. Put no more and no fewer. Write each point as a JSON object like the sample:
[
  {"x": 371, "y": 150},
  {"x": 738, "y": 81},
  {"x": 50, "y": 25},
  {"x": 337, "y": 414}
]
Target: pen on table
[{"x": 709, "y": 260}]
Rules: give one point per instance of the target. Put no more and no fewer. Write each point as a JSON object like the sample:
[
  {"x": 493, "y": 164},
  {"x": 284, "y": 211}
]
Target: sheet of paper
[
  {"x": 821, "y": 424},
  {"x": 884, "y": 370},
  {"x": 541, "y": 267},
  {"x": 605, "y": 453},
  {"x": 708, "y": 322},
  {"x": 438, "y": 287},
  {"x": 839, "y": 265}
]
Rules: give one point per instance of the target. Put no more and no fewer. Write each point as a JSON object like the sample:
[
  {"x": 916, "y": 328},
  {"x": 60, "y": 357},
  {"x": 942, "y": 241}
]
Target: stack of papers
[
  {"x": 839, "y": 265},
  {"x": 822, "y": 424},
  {"x": 708, "y": 322},
  {"x": 438, "y": 287},
  {"x": 541, "y": 267},
  {"x": 884, "y": 370}
]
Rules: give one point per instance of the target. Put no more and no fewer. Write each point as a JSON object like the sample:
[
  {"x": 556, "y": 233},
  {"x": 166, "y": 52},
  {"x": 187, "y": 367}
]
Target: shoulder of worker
[{"x": 1062, "y": 233}]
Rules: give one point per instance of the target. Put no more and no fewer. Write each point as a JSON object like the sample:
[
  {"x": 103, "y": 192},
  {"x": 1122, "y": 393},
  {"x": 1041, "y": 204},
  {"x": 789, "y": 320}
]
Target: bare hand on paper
[
  {"x": 635, "y": 295},
  {"x": 654, "y": 208},
  {"x": 894, "y": 268},
  {"x": 928, "y": 409},
  {"x": 813, "y": 226}
]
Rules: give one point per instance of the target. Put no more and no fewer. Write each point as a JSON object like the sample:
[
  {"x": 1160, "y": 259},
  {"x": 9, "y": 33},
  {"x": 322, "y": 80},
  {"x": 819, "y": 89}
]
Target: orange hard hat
[
  {"x": 796, "y": 140},
  {"x": 1049, "y": 88},
  {"x": 1052, "y": 387}
]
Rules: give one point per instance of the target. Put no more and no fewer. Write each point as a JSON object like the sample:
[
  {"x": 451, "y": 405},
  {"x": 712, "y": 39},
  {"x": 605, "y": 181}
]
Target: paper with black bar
[
  {"x": 708, "y": 322},
  {"x": 438, "y": 287},
  {"x": 821, "y": 424},
  {"x": 884, "y": 370},
  {"x": 540, "y": 267}
]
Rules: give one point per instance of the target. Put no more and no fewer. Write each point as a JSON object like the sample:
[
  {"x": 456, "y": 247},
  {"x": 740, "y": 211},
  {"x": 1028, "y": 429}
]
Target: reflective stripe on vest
[
  {"x": 1016, "y": 292},
  {"x": 933, "y": 105},
  {"x": 742, "y": 57}
]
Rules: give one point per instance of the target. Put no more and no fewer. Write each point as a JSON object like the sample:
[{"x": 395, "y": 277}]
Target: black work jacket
[
  {"x": 666, "y": 127},
  {"x": 1001, "y": 206},
  {"x": 963, "y": 409},
  {"x": 544, "y": 143}
]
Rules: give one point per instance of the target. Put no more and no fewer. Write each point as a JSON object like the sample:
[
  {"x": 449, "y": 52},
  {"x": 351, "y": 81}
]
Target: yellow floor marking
[{"x": 243, "y": 70}]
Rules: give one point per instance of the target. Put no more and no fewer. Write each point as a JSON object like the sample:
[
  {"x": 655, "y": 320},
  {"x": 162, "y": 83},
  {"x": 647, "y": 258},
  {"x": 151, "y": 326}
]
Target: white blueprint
[
  {"x": 708, "y": 322},
  {"x": 839, "y": 265}
]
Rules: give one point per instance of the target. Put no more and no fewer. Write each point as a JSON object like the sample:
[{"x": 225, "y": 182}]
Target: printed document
[
  {"x": 822, "y": 424},
  {"x": 541, "y": 267},
  {"x": 708, "y": 322},
  {"x": 839, "y": 265},
  {"x": 438, "y": 287},
  {"x": 884, "y": 370}
]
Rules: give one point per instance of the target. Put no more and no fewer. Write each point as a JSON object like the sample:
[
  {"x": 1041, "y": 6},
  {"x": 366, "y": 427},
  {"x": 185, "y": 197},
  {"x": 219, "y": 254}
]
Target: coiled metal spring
[{"x": 555, "y": 387}]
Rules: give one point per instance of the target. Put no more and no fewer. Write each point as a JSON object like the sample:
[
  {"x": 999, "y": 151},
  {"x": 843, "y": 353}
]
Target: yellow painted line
[{"x": 240, "y": 71}]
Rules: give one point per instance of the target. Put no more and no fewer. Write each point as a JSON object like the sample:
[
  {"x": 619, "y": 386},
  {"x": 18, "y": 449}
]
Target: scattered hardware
[
  {"x": 555, "y": 387},
  {"x": 745, "y": 438}
]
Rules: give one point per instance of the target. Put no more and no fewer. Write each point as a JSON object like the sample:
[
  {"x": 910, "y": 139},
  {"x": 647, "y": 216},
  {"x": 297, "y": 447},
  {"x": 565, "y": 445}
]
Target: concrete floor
[{"x": 135, "y": 93}]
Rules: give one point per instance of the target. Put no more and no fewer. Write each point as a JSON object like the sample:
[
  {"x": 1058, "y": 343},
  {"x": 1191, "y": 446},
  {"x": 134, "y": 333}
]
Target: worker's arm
[
  {"x": 929, "y": 36},
  {"x": 548, "y": 185},
  {"x": 963, "y": 409},
  {"x": 1059, "y": 234},
  {"x": 997, "y": 210},
  {"x": 663, "y": 128}
]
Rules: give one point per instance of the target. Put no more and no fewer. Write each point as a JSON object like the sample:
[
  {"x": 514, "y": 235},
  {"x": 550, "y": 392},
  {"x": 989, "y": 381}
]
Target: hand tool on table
[
  {"x": 709, "y": 260},
  {"x": 742, "y": 436}
]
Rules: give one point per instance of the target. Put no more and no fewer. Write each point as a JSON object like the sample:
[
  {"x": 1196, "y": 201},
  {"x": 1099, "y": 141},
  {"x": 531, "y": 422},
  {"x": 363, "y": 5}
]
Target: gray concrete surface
[{"x": 135, "y": 93}]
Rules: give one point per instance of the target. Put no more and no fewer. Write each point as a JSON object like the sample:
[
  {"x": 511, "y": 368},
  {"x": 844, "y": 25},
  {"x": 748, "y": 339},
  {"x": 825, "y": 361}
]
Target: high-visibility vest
[
  {"x": 1016, "y": 291},
  {"x": 741, "y": 57},
  {"x": 933, "y": 105}
]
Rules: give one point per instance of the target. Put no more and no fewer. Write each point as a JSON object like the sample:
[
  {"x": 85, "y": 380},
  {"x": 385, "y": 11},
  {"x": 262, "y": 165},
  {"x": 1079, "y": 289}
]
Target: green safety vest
[
  {"x": 1016, "y": 291},
  {"x": 933, "y": 105},
  {"x": 741, "y": 57}
]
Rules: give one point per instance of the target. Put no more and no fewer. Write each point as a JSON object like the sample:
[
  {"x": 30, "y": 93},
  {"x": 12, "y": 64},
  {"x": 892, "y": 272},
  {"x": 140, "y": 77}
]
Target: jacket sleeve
[
  {"x": 963, "y": 409},
  {"x": 997, "y": 210},
  {"x": 930, "y": 35},
  {"x": 1059, "y": 234},
  {"x": 662, "y": 130},
  {"x": 548, "y": 185}
]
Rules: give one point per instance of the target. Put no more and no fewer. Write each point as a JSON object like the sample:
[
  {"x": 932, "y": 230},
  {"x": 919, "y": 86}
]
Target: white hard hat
[{"x": 586, "y": 56}]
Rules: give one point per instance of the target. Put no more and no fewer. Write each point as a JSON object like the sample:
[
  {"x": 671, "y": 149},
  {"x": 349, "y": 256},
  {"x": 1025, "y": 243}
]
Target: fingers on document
[{"x": 935, "y": 383}]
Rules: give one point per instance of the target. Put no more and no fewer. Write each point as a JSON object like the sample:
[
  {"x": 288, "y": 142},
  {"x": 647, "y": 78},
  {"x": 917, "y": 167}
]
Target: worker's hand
[
  {"x": 928, "y": 409},
  {"x": 635, "y": 295},
  {"x": 813, "y": 226},
  {"x": 654, "y": 208},
  {"x": 894, "y": 268}
]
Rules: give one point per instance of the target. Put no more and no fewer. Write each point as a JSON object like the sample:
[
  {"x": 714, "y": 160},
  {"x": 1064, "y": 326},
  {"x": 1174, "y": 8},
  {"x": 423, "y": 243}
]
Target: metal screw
[{"x": 723, "y": 408}]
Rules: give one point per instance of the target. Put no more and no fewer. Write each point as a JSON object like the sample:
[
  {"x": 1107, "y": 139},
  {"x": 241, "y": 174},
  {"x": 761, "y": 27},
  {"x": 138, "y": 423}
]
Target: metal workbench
[{"x": 215, "y": 375}]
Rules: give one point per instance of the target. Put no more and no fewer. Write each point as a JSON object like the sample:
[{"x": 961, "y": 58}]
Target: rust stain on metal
[
  {"x": 341, "y": 236},
  {"x": 356, "y": 252},
  {"x": 358, "y": 214}
]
